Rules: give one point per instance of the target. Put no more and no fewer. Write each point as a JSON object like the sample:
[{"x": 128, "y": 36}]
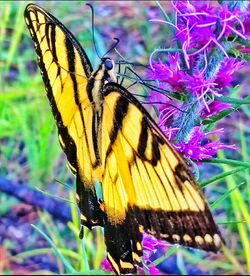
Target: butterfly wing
[
  {"x": 147, "y": 185},
  {"x": 66, "y": 68}
]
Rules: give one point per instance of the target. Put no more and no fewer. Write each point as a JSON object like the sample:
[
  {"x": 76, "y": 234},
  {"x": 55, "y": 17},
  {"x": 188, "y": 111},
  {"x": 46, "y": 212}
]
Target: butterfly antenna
[
  {"x": 93, "y": 28},
  {"x": 113, "y": 47}
]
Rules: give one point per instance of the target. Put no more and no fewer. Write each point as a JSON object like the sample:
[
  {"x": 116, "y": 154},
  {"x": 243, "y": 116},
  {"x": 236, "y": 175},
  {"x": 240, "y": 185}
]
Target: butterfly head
[{"x": 108, "y": 67}]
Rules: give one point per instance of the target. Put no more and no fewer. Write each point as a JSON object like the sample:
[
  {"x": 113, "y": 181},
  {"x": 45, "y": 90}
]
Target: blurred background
[{"x": 36, "y": 187}]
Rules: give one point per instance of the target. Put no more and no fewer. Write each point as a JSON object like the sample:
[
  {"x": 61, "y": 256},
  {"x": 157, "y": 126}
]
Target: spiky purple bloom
[
  {"x": 170, "y": 75},
  {"x": 202, "y": 30},
  {"x": 199, "y": 146},
  {"x": 201, "y": 27},
  {"x": 224, "y": 76}
]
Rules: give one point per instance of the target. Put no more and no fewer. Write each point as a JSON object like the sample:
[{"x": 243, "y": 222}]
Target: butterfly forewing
[
  {"x": 146, "y": 183},
  {"x": 66, "y": 68}
]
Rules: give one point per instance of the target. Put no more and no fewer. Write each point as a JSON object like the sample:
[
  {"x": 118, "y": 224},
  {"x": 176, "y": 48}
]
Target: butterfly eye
[{"x": 108, "y": 64}]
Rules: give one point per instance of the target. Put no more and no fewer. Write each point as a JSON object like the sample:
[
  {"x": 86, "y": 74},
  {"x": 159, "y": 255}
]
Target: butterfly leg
[
  {"x": 145, "y": 83},
  {"x": 119, "y": 72},
  {"x": 124, "y": 73},
  {"x": 138, "y": 79}
]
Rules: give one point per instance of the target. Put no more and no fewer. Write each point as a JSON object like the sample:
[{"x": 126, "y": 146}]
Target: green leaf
[
  {"x": 227, "y": 161},
  {"x": 222, "y": 176},
  {"x": 218, "y": 116},
  {"x": 233, "y": 100},
  {"x": 224, "y": 113},
  {"x": 42, "y": 251},
  {"x": 231, "y": 222},
  {"x": 180, "y": 263}
]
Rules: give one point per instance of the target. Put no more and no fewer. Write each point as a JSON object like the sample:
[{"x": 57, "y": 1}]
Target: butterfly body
[{"x": 110, "y": 138}]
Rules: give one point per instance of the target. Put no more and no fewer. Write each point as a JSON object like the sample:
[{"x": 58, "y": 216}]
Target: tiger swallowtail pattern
[{"x": 110, "y": 138}]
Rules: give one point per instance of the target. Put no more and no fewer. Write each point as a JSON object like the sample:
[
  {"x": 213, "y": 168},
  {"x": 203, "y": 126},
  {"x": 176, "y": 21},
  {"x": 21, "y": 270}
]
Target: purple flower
[
  {"x": 246, "y": 24},
  {"x": 169, "y": 132},
  {"x": 168, "y": 112},
  {"x": 206, "y": 32},
  {"x": 150, "y": 243},
  {"x": 231, "y": 21},
  {"x": 197, "y": 26},
  {"x": 224, "y": 77},
  {"x": 200, "y": 86},
  {"x": 190, "y": 19},
  {"x": 159, "y": 100},
  {"x": 106, "y": 266},
  {"x": 153, "y": 270},
  {"x": 169, "y": 75},
  {"x": 199, "y": 146}
]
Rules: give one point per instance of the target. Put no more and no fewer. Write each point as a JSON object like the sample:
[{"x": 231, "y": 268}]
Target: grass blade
[
  {"x": 221, "y": 176},
  {"x": 217, "y": 202},
  {"x": 67, "y": 265},
  {"x": 227, "y": 162}
]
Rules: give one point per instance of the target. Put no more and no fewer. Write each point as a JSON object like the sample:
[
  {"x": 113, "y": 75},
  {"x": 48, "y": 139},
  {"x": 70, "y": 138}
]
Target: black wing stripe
[
  {"x": 89, "y": 89},
  {"x": 121, "y": 109},
  {"x": 143, "y": 140},
  {"x": 47, "y": 34},
  {"x": 71, "y": 66},
  {"x": 52, "y": 41},
  {"x": 70, "y": 150},
  {"x": 53, "y": 49},
  {"x": 175, "y": 226},
  {"x": 96, "y": 124},
  {"x": 120, "y": 112},
  {"x": 156, "y": 155}
]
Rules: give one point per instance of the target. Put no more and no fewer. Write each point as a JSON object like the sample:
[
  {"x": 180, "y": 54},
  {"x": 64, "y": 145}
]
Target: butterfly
[{"x": 111, "y": 139}]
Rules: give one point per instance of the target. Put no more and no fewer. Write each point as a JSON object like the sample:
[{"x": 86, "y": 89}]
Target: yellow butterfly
[{"x": 109, "y": 137}]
